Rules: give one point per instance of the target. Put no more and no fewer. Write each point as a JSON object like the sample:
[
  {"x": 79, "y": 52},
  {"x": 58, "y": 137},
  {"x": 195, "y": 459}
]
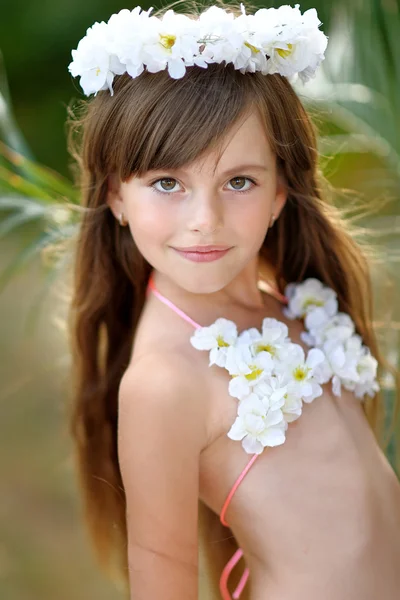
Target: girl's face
[{"x": 205, "y": 203}]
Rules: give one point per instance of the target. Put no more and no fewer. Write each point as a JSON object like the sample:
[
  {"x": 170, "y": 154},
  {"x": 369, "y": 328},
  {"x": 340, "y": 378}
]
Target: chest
[{"x": 328, "y": 468}]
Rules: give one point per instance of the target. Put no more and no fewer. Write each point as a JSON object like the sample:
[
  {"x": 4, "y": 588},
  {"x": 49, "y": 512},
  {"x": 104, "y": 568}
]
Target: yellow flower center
[
  {"x": 300, "y": 373},
  {"x": 252, "y": 48},
  {"x": 167, "y": 41},
  {"x": 221, "y": 341},
  {"x": 285, "y": 53},
  {"x": 255, "y": 372},
  {"x": 312, "y": 302},
  {"x": 266, "y": 348},
  {"x": 98, "y": 71}
]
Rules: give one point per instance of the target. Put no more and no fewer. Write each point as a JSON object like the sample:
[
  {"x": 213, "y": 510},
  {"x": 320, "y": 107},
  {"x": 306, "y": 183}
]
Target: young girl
[{"x": 225, "y": 363}]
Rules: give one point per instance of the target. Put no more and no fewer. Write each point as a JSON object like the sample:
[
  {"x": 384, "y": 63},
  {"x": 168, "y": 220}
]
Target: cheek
[
  {"x": 150, "y": 223},
  {"x": 251, "y": 217}
]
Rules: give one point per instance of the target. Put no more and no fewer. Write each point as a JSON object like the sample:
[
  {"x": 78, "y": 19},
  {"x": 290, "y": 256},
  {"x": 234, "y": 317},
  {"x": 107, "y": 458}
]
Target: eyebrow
[
  {"x": 236, "y": 169},
  {"x": 246, "y": 167}
]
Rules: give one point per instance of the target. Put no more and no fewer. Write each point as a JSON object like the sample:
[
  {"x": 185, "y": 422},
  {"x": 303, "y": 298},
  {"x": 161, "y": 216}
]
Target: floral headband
[{"x": 273, "y": 40}]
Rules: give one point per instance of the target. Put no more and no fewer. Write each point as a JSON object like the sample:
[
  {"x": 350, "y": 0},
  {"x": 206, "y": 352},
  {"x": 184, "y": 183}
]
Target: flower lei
[
  {"x": 273, "y": 40},
  {"x": 272, "y": 377}
]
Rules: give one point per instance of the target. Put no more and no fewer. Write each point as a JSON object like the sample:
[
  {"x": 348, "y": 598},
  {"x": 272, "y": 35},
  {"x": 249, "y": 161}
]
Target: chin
[{"x": 204, "y": 283}]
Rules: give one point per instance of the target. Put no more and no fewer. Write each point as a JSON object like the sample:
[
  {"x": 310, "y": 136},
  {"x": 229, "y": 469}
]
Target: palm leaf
[{"x": 26, "y": 176}]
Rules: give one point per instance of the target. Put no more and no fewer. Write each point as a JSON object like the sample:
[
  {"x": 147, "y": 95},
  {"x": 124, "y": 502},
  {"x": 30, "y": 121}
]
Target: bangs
[{"x": 156, "y": 122}]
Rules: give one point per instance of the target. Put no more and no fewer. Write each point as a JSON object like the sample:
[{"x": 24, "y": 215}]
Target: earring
[
  {"x": 272, "y": 221},
  {"x": 122, "y": 221}
]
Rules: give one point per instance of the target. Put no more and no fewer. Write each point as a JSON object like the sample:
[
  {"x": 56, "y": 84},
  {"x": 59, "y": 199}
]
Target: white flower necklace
[{"x": 272, "y": 377}]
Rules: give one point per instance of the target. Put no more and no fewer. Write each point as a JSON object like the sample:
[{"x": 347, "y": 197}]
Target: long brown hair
[{"x": 154, "y": 121}]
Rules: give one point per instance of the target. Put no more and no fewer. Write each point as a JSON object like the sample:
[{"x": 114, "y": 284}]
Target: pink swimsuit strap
[{"x": 223, "y": 583}]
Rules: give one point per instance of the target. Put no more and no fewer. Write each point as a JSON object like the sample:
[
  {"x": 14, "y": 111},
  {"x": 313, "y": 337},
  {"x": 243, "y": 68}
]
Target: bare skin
[{"x": 319, "y": 516}]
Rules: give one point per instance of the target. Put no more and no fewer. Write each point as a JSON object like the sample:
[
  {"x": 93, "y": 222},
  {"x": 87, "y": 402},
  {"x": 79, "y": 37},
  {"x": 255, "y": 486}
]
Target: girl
[{"x": 207, "y": 230}]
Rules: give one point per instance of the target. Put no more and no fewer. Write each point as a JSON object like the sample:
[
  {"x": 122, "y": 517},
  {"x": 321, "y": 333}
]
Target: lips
[
  {"x": 203, "y": 256},
  {"x": 211, "y": 248}
]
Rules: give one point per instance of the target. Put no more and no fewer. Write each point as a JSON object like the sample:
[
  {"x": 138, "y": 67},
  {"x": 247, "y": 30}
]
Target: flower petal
[{"x": 252, "y": 445}]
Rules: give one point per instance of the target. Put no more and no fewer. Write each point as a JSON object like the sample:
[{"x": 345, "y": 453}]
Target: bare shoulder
[
  {"x": 161, "y": 433},
  {"x": 166, "y": 382}
]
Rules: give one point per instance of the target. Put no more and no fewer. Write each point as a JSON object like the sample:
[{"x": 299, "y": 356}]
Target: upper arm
[{"x": 161, "y": 433}]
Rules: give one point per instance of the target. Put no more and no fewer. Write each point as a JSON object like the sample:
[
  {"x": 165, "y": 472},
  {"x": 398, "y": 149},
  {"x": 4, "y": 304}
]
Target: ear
[{"x": 114, "y": 199}]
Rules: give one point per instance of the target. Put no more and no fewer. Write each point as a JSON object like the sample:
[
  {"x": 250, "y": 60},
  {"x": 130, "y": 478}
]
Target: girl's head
[
  {"x": 204, "y": 159},
  {"x": 207, "y": 175},
  {"x": 211, "y": 158}
]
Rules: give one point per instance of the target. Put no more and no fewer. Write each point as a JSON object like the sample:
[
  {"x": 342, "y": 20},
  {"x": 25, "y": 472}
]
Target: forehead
[{"x": 246, "y": 142}]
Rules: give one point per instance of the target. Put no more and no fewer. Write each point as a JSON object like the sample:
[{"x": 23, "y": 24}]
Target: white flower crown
[{"x": 273, "y": 40}]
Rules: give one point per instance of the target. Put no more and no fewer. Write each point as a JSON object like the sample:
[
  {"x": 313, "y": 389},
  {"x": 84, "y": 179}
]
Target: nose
[{"x": 205, "y": 212}]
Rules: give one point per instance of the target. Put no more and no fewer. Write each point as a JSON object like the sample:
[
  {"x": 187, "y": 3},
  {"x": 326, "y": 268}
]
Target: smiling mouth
[{"x": 203, "y": 249}]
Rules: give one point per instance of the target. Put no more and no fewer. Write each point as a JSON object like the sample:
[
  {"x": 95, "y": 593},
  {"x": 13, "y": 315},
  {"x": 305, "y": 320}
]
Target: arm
[{"x": 161, "y": 434}]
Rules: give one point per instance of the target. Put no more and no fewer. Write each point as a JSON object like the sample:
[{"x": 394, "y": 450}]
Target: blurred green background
[{"x": 355, "y": 100}]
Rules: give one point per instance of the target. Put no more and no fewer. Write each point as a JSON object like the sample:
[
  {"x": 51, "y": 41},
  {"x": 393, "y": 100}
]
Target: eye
[
  {"x": 238, "y": 183},
  {"x": 165, "y": 184}
]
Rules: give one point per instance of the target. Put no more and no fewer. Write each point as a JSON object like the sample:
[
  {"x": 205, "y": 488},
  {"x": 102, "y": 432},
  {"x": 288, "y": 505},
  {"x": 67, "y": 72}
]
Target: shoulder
[{"x": 167, "y": 390}]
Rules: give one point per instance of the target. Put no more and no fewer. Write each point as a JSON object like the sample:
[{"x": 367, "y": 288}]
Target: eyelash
[{"x": 168, "y": 193}]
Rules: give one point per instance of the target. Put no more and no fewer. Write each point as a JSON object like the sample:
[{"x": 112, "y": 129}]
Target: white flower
[
  {"x": 251, "y": 56},
  {"x": 292, "y": 41},
  {"x": 301, "y": 55},
  {"x": 304, "y": 297},
  {"x": 222, "y": 37},
  {"x": 271, "y": 41},
  {"x": 217, "y": 338},
  {"x": 293, "y": 406},
  {"x": 321, "y": 327},
  {"x": 257, "y": 425},
  {"x": 300, "y": 372},
  {"x": 367, "y": 369},
  {"x": 128, "y": 31},
  {"x": 248, "y": 336},
  {"x": 171, "y": 42},
  {"x": 350, "y": 364},
  {"x": 246, "y": 369},
  {"x": 369, "y": 388},
  {"x": 94, "y": 62},
  {"x": 272, "y": 391},
  {"x": 272, "y": 338},
  {"x": 272, "y": 376},
  {"x": 276, "y": 394},
  {"x": 367, "y": 366},
  {"x": 338, "y": 364}
]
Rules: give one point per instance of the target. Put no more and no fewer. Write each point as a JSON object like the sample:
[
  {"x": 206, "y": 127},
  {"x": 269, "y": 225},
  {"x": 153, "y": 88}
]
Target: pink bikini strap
[
  {"x": 223, "y": 582},
  {"x": 234, "y": 488},
  {"x": 177, "y": 310}
]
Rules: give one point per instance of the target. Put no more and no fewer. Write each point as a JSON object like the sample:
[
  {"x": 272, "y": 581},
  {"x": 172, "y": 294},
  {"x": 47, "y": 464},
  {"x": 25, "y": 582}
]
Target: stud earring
[
  {"x": 122, "y": 220},
  {"x": 272, "y": 221}
]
